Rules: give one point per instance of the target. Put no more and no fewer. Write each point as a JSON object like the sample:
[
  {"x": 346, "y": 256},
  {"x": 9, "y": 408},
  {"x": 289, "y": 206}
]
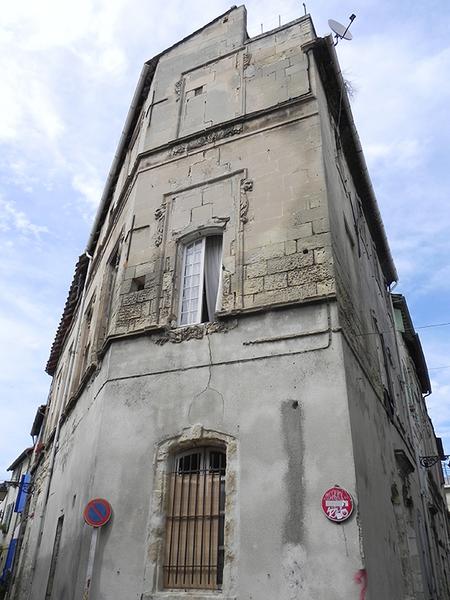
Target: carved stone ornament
[
  {"x": 247, "y": 59},
  {"x": 207, "y": 138},
  {"x": 178, "y": 88},
  {"x": 160, "y": 215},
  {"x": 194, "y": 332},
  {"x": 246, "y": 186}
]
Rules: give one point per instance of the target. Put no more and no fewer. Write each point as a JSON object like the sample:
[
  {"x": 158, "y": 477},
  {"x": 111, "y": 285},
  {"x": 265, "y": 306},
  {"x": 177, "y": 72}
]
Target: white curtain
[{"x": 213, "y": 263}]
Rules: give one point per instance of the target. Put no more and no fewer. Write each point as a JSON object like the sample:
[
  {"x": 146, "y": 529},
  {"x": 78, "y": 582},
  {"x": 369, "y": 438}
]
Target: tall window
[
  {"x": 54, "y": 559},
  {"x": 7, "y": 516},
  {"x": 383, "y": 361},
  {"x": 86, "y": 339},
  {"x": 194, "y": 549},
  {"x": 200, "y": 280},
  {"x": 110, "y": 284}
]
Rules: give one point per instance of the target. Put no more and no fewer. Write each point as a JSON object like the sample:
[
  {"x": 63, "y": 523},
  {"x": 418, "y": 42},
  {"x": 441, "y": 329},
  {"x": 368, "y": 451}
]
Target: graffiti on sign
[{"x": 337, "y": 504}]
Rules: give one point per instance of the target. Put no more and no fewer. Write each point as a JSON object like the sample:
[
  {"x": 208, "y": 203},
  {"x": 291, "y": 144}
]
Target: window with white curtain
[{"x": 200, "y": 280}]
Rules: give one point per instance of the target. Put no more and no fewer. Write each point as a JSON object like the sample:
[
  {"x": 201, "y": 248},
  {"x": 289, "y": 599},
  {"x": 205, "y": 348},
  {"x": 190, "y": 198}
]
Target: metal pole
[{"x": 90, "y": 566}]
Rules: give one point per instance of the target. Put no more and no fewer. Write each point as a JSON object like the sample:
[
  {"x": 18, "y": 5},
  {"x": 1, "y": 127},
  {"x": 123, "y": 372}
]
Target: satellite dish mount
[{"x": 341, "y": 32}]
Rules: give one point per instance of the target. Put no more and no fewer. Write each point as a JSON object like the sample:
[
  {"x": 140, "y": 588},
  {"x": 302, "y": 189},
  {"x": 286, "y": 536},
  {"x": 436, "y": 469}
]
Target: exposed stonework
[
  {"x": 246, "y": 186},
  {"x": 160, "y": 214},
  {"x": 178, "y": 89},
  {"x": 208, "y": 138},
  {"x": 194, "y": 332}
]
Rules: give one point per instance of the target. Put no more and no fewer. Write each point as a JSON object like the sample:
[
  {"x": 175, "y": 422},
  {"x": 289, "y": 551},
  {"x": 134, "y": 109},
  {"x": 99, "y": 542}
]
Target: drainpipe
[{"x": 58, "y": 424}]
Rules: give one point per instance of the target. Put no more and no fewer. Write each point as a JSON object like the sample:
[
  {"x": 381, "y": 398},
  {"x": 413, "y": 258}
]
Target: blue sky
[{"x": 68, "y": 74}]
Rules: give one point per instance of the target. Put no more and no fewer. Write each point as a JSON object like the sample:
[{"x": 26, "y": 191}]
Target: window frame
[
  {"x": 203, "y": 469},
  {"x": 7, "y": 516},
  {"x": 185, "y": 438},
  {"x": 185, "y": 245}
]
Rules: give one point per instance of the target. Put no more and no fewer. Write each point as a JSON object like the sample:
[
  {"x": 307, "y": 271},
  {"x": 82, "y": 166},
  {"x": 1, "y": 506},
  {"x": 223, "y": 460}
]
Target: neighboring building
[
  {"x": 13, "y": 496},
  {"x": 421, "y": 509},
  {"x": 228, "y": 352},
  {"x": 446, "y": 473}
]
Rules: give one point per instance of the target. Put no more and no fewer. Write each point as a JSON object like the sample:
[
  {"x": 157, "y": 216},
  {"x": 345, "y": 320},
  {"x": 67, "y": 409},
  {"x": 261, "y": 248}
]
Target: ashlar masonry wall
[{"x": 257, "y": 181}]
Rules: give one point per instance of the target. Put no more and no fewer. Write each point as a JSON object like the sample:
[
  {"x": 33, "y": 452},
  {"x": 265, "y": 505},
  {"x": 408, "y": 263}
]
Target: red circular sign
[
  {"x": 97, "y": 512},
  {"x": 337, "y": 504}
]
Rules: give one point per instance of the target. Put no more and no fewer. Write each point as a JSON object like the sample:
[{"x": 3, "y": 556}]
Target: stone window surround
[
  {"x": 190, "y": 437},
  {"x": 191, "y": 232},
  {"x": 199, "y": 491}
]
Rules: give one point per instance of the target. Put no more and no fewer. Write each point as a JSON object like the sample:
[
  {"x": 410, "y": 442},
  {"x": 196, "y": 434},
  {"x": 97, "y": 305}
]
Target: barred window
[{"x": 194, "y": 548}]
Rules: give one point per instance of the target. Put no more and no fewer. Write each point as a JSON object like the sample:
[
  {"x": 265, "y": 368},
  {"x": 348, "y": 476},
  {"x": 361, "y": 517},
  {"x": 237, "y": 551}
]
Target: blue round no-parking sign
[{"x": 97, "y": 512}]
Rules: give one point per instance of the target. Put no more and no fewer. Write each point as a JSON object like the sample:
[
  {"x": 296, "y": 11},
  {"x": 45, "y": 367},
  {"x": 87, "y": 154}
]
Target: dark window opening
[
  {"x": 137, "y": 284},
  {"x": 54, "y": 559}
]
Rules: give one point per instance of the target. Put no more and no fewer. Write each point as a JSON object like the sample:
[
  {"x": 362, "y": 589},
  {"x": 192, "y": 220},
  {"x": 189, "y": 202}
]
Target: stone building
[
  {"x": 228, "y": 352},
  {"x": 13, "y": 496}
]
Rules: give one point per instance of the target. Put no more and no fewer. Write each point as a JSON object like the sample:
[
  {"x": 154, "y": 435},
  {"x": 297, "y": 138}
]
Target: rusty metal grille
[{"x": 194, "y": 549}]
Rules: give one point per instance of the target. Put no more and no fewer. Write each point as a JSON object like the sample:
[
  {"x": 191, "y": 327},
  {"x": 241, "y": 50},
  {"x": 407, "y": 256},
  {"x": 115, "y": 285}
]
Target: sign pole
[
  {"x": 97, "y": 513},
  {"x": 90, "y": 566}
]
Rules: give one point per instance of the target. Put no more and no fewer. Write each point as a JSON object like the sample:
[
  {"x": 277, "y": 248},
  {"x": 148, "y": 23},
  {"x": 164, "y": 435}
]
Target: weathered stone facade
[{"x": 298, "y": 377}]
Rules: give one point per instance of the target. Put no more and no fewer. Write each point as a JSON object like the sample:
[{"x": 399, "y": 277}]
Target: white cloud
[
  {"x": 56, "y": 60},
  {"x": 401, "y": 154},
  {"x": 13, "y": 218},
  {"x": 395, "y": 96},
  {"x": 90, "y": 186}
]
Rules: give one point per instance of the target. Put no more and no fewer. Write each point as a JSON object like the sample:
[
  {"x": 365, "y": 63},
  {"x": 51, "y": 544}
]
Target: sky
[{"x": 68, "y": 73}]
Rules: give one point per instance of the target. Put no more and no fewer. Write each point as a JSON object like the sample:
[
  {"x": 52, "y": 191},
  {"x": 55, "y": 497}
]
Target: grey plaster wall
[{"x": 289, "y": 450}]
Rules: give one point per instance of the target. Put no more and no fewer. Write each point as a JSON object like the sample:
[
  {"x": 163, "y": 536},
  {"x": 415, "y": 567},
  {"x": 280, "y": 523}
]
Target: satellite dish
[{"x": 341, "y": 31}]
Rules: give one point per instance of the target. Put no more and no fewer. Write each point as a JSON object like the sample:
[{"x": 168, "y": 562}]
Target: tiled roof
[{"x": 75, "y": 292}]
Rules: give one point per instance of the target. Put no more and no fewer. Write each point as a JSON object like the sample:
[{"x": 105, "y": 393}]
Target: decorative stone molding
[
  {"x": 246, "y": 60},
  {"x": 160, "y": 215},
  {"x": 195, "y": 332},
  {"x": 178, "y": 88},
  {"x": 221, "y": 220},
  {"x": 207, "y": 138},
  {"x": 246, "y": 186}
]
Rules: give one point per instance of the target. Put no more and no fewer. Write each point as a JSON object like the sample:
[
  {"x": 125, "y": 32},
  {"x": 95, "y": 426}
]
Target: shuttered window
[
  {"x": 194, "y": 549},
  {"x": 7, "y": 516}
]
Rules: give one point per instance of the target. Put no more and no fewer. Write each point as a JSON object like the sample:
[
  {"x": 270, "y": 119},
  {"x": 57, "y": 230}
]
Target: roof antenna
[
  {"x": 304, "y": 7},
  {"x": 341, "y": 32}
]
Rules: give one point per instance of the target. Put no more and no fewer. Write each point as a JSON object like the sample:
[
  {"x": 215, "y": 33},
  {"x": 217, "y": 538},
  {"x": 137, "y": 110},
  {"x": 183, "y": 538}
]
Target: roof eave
[
  {"x": 20, "y": 459},
  {"x": 338, "y": 101},
  {"x": 413, "y": 343}
]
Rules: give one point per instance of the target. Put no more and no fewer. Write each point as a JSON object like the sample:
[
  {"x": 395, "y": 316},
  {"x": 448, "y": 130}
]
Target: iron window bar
[{"x": 195, "y": 522}]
